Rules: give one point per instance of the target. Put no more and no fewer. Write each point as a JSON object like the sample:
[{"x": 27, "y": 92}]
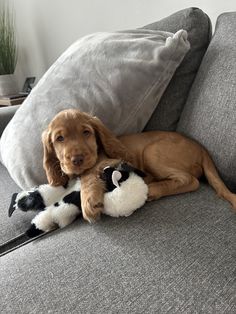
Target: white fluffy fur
[
  {"x": 52, "y": 194},
  {"x": 53, "y": 216}
]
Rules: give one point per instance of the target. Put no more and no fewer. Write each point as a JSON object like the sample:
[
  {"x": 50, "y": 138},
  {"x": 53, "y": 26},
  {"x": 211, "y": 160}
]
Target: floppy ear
[
  {"x": 51, "y": 164},
  {"x": 111, "y": 145}
]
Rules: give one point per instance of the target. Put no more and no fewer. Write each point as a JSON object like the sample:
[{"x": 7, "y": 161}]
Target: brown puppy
[{"x": 76, "y": 143}]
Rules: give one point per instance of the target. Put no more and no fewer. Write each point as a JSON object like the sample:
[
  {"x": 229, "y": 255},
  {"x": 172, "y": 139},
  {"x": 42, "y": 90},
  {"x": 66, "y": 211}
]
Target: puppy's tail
[{"x": 215, "y": 180}]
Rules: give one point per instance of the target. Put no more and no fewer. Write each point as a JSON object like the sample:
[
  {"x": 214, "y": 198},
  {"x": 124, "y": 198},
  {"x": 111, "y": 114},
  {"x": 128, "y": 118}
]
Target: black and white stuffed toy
[{"x": 60, "y": 206}]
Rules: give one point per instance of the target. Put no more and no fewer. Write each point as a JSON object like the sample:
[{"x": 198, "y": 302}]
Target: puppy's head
[{"x": 71, "y": 144}]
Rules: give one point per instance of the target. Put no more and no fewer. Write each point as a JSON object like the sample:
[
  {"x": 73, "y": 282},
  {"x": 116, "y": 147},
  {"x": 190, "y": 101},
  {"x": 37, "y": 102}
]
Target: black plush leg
[{"x": 33, "y": 231}]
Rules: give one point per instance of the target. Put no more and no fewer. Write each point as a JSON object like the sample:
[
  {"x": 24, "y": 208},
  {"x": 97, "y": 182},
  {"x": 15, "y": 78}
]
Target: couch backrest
[
  {"x": 198, "y": 26},
  {"x": 209, "y": 115}
]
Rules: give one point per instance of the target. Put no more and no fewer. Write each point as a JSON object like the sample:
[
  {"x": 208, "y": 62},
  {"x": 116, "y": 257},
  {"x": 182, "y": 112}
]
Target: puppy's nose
[{"x": 77, "y": 160}]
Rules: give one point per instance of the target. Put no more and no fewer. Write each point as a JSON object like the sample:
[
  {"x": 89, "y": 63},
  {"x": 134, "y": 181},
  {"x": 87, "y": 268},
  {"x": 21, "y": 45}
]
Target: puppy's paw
[
  {"x": 232, "y": 199},
  {"x": 153, "y": 192},
  {"x": 91, "y": 210}
]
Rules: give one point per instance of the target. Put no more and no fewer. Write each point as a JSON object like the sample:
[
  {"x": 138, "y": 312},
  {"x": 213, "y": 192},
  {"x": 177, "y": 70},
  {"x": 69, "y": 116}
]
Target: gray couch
[{"x": 175, "y": 255}]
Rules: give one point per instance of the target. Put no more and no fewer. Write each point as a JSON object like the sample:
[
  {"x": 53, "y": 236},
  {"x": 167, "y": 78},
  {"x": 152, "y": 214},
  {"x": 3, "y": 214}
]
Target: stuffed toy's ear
[
  {"x": 51, "y": 164},
  {"x": 116, "y": 176}
]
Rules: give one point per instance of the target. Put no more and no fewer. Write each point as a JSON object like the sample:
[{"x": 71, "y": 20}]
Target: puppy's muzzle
[{"x": 77, "y": 160}]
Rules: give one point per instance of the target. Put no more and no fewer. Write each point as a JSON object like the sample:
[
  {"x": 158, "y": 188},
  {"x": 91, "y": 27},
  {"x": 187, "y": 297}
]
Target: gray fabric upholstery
[
  {"x": 176, "y": 255},
  {"x": 210, "y": 112},
  {"x": 198, "y": 26},
  {"x": 19, "y": 222},
  {"x": 6, "y": 114}
]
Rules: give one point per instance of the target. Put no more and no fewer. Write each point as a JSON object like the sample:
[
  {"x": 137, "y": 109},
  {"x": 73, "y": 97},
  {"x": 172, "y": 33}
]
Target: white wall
[{"x": 47, "y": 27}]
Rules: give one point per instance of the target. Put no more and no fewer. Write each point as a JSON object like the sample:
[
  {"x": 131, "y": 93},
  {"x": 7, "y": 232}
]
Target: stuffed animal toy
[{"x": 126, "y": 191}]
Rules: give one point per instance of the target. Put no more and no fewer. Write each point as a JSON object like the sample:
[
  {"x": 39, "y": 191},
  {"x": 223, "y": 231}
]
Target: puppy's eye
[
  {"x": 60, "y": 138},
  {"x": 86, "y": 132}
]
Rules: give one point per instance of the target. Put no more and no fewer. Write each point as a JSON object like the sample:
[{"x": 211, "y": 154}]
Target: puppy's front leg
[{"x": 92, "y": 195}]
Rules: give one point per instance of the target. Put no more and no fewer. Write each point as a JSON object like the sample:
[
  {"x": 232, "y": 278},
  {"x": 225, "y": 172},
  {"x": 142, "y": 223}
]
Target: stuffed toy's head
[
  {"x": 126, "y": 188},
  {"x": 113, "y": 176}
]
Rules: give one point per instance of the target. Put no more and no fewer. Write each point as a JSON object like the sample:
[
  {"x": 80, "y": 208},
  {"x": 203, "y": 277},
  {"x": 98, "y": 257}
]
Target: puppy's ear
[
  {"x": 111, "y": 144},
  {"x": 51, "y": 164}
]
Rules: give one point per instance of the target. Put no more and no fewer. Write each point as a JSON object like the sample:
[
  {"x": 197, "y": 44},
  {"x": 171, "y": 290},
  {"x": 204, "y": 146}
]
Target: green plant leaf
[{"x": 8, "y": 47}]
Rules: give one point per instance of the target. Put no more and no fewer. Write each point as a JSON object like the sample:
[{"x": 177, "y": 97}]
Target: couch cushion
[
  {"x": 19, "y": 222},
  {"x": 198, "y": 26},
  {"x": 176, "y": 255},
  {"x": 118, "y": 77},
  {"x": 210, "y": 112},
  {"x": 6, "y": 114}
]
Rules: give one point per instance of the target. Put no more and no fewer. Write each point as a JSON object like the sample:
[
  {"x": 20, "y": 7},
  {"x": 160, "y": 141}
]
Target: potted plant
[{"x": 8, "y": 51}]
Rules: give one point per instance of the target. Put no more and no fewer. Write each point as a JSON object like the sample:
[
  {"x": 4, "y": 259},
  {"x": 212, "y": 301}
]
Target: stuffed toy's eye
[
  {"x": 60, "y": 138},
  {"x": 86, "y": 132}
]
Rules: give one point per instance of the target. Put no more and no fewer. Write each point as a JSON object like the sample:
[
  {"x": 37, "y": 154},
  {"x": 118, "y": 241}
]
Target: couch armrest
[{"x": 6, "y": 113}]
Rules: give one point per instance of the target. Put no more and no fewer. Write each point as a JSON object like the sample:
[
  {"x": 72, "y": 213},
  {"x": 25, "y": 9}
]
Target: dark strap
[{"x": 17, "y": 242}]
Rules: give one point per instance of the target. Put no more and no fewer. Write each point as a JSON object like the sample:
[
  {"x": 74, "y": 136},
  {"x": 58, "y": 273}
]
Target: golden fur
[{"x": 77, "y": 144}]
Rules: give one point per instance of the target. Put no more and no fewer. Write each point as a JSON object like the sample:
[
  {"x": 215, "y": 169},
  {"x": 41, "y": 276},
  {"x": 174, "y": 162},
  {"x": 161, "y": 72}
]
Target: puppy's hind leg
[{"x": 174, "y": 184}]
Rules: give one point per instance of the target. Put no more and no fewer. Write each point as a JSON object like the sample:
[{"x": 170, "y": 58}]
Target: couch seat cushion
[{"x": 176, "y": 255}]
